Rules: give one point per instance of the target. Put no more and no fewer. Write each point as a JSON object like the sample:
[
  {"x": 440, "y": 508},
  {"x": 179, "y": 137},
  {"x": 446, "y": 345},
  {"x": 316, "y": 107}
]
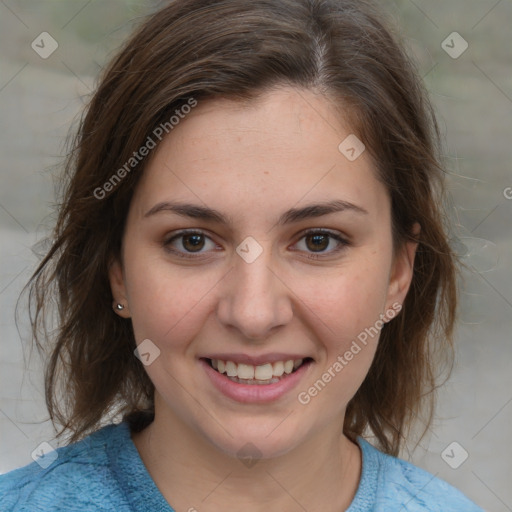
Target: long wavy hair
[{"x": 238, "y": 49}]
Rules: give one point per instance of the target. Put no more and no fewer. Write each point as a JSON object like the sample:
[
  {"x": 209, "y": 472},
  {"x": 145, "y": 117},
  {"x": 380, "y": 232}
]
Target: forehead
[{"x": 260, "y": 156}]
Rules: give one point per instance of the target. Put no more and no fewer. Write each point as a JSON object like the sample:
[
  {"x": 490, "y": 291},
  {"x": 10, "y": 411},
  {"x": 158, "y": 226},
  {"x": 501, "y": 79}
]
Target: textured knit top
[{"x": 105, "y": 472}]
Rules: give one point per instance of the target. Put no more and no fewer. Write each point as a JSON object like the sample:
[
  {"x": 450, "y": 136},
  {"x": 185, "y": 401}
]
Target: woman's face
[{"x": 287, "y": 257}]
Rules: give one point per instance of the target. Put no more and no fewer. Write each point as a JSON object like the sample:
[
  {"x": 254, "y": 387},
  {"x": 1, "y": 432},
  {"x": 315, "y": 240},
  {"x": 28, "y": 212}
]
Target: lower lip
[{"x": 255, "y": 393}]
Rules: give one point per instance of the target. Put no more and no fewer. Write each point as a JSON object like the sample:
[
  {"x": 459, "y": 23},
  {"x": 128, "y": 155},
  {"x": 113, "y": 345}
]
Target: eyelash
[{"x": 342, "y": 243}]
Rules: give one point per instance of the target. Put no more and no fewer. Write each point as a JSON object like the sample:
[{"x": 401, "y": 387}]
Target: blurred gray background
[{"x": 40, "y": 99}]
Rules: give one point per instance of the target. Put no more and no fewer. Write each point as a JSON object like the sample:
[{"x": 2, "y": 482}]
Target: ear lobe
[
  {"x": 403, "y": 269},
  {"x": 118, "y": 288}
]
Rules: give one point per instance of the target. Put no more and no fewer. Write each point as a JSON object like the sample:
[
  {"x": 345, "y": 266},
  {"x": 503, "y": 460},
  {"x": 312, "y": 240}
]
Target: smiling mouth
[{"x": 268, "y": 373}]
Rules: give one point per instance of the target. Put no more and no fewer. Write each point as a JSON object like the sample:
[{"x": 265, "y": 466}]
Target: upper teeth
[{"x": 263, "y": 372}]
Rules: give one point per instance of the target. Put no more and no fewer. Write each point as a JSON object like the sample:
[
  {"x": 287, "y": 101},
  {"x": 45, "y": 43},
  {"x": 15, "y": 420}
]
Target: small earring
[{"x": 120, "y": 307}]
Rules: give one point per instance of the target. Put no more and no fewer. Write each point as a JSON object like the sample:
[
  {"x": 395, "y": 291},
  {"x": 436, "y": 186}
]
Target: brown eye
[
  {"x": 317, "y": 242},
  {"x": 189, "y": 244},
  {"x": 193, "y": 242},
  {"x": 320, "y": 243}
]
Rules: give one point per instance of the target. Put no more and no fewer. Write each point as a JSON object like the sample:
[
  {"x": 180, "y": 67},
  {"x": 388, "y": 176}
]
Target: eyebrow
[{"x": 290, "y": 216}]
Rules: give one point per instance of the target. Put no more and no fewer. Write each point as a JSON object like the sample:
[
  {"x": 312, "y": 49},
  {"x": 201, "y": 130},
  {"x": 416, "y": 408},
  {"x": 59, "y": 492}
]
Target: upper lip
[{"x": 255, "y": 360}]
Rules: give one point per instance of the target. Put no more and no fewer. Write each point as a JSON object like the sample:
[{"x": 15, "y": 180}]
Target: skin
[{"x": 252, "y": 162}]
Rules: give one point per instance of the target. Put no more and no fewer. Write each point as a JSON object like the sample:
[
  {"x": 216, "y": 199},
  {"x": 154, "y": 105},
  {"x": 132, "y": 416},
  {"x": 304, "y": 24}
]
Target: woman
[{"x": 250, "y": 266}]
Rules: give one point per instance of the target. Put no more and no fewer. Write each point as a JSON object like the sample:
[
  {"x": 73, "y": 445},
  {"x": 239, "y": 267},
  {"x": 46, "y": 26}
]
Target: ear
[
  {"x": 402, "y": 271},
  {"x": 118, "y": 287}
]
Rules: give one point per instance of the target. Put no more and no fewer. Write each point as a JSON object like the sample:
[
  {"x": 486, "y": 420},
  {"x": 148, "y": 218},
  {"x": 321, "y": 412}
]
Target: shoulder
[
  {"x": 400, "y": 483},
  {"x": 60, "y": 485}
]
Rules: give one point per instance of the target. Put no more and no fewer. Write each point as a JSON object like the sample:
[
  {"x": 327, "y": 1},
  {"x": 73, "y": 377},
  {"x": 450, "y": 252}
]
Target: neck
[{"x": 322, "y": 474}]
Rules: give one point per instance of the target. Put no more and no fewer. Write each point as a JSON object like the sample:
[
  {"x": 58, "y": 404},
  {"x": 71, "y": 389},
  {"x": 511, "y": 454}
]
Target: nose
[{"x": 254, "y": 299}]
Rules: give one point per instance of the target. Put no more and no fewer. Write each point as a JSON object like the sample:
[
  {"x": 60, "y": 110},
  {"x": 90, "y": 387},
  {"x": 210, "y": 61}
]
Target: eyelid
[
  {"x": 325, "y": 231},
  {"x": 180, "y": 233},
  {"x": 342, "y": 240}
]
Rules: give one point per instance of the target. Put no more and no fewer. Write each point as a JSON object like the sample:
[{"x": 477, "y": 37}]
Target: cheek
[
  {"x": 344, "y": 311},
  {"x": 166, "y": 303},
  {"x": 347, "y": 324},
  {"x": 345, "y": 303}
]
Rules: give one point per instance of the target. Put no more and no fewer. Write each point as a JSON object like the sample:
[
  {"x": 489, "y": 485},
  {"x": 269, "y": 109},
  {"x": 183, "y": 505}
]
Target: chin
[{"x": 258, "y": 440}]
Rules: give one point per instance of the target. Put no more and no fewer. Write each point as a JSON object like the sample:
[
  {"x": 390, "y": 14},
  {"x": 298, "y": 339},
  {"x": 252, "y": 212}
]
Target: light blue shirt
[{"x": 105, "y": 472}]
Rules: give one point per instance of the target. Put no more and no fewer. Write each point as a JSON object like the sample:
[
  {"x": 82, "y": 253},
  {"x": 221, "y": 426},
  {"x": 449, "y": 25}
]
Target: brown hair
[{"x": 202, "y": 49}]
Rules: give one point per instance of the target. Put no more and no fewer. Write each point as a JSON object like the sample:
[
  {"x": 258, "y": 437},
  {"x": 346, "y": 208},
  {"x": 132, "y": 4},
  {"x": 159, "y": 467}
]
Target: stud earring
[{"x": 120, "y": 307}]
